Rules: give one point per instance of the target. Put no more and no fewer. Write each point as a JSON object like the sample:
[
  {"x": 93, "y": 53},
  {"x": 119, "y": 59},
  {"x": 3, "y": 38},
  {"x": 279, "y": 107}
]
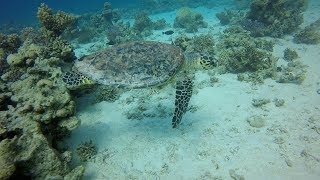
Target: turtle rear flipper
[{"x": 183, "y": 95}]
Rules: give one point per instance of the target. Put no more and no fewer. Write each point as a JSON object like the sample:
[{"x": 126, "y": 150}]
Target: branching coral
[
  {"x": 56, "y": 23},
  {"x": 189, "y": 20}
]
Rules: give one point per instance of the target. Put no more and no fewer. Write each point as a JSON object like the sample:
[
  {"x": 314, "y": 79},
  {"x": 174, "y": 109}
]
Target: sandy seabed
[{"x": 215, "y": 139}]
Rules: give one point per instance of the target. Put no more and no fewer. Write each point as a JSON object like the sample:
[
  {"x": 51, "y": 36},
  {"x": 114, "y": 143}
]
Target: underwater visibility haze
[{"x": 160, "y": 89}]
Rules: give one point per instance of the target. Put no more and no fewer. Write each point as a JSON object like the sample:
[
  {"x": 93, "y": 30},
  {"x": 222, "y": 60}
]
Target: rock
[
  {"x": 256, "y": 121},
  {"x": 234, "y": 175}
]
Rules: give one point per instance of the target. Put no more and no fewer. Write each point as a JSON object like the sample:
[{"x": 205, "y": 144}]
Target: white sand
[{"x": 214, "y": 136}]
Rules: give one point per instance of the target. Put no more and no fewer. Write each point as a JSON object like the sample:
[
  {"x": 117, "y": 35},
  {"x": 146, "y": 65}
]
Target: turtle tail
[{"x": 183, "y": 95}]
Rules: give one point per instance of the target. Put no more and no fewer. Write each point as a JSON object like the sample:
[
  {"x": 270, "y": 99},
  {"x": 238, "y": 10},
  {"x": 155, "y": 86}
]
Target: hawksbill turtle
[{"x": 141, "y": 64}]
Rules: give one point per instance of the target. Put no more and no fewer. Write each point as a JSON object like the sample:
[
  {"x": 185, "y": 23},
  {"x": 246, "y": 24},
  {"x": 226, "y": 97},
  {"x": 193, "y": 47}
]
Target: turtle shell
[{"x": 132, "y": 65}]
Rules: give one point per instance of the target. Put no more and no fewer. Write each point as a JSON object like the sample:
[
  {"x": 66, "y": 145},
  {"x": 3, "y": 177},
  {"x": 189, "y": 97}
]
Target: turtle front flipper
[{"x": 183, "y": 95}]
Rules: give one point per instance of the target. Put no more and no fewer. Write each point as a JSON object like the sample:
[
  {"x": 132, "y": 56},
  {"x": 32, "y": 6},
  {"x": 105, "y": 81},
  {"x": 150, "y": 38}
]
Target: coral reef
[
  {"x": 26, "y": 152},
  {"x": 310, "y": 34},
  {"x": 9, "y": 43},
  {"x": 160, "y": 24},
  {"x": 109, "y": 14},
  {"x": 189, "y": 20},
  {"x": 242, "y": 4},
  {"x": 25, "y": 56},
  {"x": 294, "y": 72},
  {"x": 253, "y": 26},
  {"x": 203, "y": 43},
  {"x": 86, "y": 151},
  {"x": 239, "y": 52},
  {"x": 105, "y": 18},
  {"x": 37, "y": 110},
  {"x": 122, "y": 32},
  {"x": 279, "y": 17},
  {"x": 142, "y": 23},
  {"x": 182, "y": 41},
  {"x": 56, "y": 23},
  {"x": 290, "y": 54},
  {"x": 229, "y": 16}
]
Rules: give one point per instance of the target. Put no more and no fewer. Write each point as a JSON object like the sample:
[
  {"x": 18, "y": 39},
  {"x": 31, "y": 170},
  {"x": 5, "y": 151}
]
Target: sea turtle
[{"x": 141, "y": 64}]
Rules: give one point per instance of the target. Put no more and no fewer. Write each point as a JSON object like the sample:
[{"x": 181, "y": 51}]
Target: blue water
[
  {"x": 24, "y": 11},
  {"x": 223, "y": 134}
]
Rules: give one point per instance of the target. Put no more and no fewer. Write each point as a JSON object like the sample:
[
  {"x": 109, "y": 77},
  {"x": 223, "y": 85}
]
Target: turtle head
[
  {"x": 206, "y": 61},
  {"x": 200, "y": 60},
  {"x": 76, "y": 80}
]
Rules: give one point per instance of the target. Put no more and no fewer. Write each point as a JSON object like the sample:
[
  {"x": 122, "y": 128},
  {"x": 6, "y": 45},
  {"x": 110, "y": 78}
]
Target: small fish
[{"x": 169, "y": 32}]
